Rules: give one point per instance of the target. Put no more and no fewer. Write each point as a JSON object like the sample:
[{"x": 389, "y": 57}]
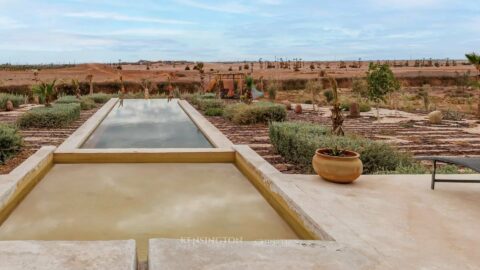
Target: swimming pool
[
  {"x": 144, "y": 201},
  {"x": 151, "y": 123}
]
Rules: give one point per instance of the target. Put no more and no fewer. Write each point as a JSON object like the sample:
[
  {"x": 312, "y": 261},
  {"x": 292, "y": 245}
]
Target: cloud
[
  {"x": 8, "y": 23},
  {"x": 407, "y": 4},
  {"x": 270, "y": 2},
  {"x": 228, "y": 7},
  {"x": 121, "y": 17}
]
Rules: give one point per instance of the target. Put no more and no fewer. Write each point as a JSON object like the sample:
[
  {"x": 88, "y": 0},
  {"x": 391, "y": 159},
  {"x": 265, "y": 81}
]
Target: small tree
[
  {"x": 381, "y": 81},
  {"x": 45, "y": 91},
  {"x": 89, "y": 78},
  {"x": 76, "y": 86},
  {"x": 272, "y": 88},
  {"x": 337, "y": 117},
  {"x": 314, "y": 87},
  {"x": 146, "y": 85},
  {"x": 424, "y": 95},
  {"x": 199, "y": 67},
  {"x": 474, "y": 59},
  {"x": 360, "y": 88}
]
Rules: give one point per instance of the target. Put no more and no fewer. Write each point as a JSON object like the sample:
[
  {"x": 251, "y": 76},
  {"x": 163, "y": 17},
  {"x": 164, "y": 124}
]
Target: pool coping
[
  {"x": 81, "y": 135},
  {"x": 215, "y": 136},
  {"x": 68, "y": 255}
]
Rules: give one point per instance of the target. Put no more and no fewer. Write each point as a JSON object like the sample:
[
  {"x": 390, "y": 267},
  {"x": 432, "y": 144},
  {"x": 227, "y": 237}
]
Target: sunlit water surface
[{"x": 151, "y": 123}]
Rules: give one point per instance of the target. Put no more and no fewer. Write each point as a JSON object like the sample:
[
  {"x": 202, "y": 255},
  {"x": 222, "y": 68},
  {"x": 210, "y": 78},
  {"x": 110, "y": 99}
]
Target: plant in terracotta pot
[
  {"x": 298, "y": 109},
  {"x": 338, "y": 166}
]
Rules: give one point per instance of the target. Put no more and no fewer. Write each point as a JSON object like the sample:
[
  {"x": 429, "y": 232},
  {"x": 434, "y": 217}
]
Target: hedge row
[
  {"x": 297, "y": 142},
  {"x": 58, "y": 115},
  {"x": 86, "y": 103},
  {"x": 101, "y": 98},
  {"x": 261, "y": 112},
  {"x": 10, "y": 142}
]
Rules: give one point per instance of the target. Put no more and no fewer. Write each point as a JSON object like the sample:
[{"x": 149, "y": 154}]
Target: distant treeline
[
  {"x": 190, "y": 87},
  {"x": 104, "y": 87},
  {"x": 10, "y": 67}
]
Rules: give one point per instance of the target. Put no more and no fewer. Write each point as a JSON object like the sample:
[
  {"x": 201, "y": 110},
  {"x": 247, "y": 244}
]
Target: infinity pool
[
  {"x": 143, "y": 201},
  {"x": 152, "y": 123}
]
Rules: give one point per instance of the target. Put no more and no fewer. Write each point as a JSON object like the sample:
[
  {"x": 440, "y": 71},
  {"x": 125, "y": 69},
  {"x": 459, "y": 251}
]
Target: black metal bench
[{"x": 468, "y": 162}]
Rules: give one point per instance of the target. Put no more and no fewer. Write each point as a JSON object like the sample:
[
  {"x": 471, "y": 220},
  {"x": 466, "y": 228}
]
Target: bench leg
[{"x": 433, "y": 174}]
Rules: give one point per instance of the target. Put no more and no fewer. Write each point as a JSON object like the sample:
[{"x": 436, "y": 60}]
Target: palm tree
[
  {"x": 46, "y": 91},
  {"x": 76, "y": 85},
  {"x": 474, "y": 59}
]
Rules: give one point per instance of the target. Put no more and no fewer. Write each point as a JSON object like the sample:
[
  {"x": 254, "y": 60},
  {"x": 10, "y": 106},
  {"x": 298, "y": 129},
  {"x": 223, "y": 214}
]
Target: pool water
[
  {"x": 147, "y": 123},
  {"x": 143, "y": 201}
]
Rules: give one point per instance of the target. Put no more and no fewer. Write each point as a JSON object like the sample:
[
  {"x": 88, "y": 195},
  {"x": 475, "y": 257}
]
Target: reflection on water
[
  {"x": 152, "y": 123},
  {"x": 143, "y": 201}
]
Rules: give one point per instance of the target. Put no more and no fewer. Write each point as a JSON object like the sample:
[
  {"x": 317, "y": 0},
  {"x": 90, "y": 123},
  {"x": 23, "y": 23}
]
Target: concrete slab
[
  {"x": 195, "y": 255},
  {"x": 50, "y": 255},
  {"x": 396, "y": 219}
]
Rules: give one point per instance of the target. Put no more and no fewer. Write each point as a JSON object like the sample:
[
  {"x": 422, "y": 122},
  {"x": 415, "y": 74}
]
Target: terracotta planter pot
[
  {"x": 298, "y": 109},
  {"x": 343, "y": 170}
]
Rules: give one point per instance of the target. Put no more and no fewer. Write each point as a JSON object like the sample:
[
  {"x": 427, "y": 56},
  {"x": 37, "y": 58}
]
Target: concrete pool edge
[
  {"x": 68, "y": 255},
  {"x": 18, "y": 183},
  {"x": 81, "y": 135},
  {"x": 212, "y": 133},
  {"x": 196, "y": 254},
  {"x": 146, "y": 155},
  {"x": 266, "y": 179},
  {"x": 76, "y": 140}
]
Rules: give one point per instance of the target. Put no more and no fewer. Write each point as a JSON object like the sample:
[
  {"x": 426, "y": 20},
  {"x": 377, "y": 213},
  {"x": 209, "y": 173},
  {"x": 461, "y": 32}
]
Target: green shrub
[
  {"x": 364, "y": 107},
  {"x": 17, "y": 100},
  {"x": 101, "y": 97},
  {"x": 205, "y": 104},
  {"x": 208, "y": 96},
  {"x": 196, "y": 98},
  {"x": 86, "y": 102},
  {"x": 10, "y": 142},
  {"x": 328, "y": 94},
  {"x": 297, "y": 142},
  {"x": 231, "y": 109},
  {"x": 67, "y": 100},
  {"x": 345, "y": 106},
  {"x": 261, "y": 112},
  {"x": 59, "y": 115},
  {"x": 214, "y": 112},
  {"x": 415, "y": 168}
]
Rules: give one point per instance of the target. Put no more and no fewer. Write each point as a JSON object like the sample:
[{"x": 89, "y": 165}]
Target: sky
[{"x": 77, "y": 31}]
